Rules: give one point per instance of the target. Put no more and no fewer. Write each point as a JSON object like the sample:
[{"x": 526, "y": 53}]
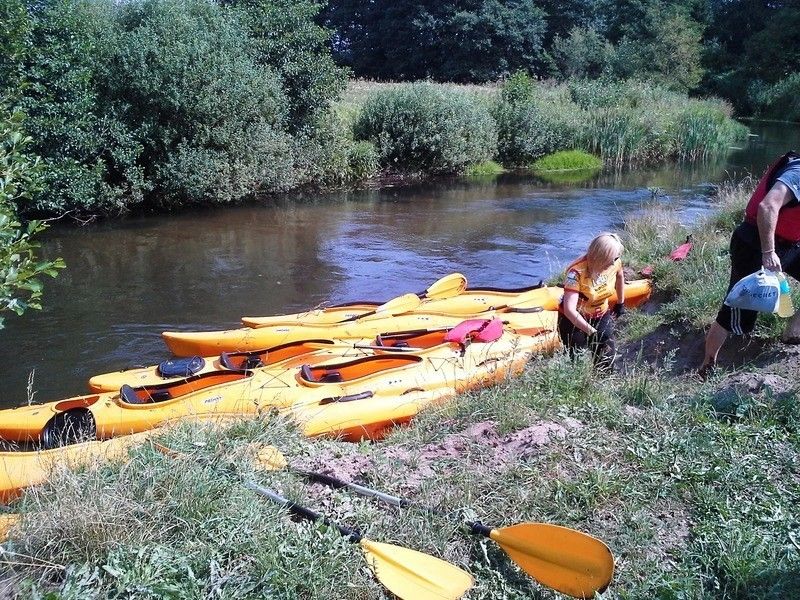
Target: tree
[
  {"x": 463, "y": 41},
  {"x": 20, "y": 286},
  {"x": 289, "y": 41}
]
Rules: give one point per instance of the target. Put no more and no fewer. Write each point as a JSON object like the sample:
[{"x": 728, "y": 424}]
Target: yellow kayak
[
  {"x": 466, "y": 303},
  {"x": 509, "y": 306},
  {"x": 172, "y": 371},
  {"x": 321, "y": 378},
  {"x": 19, "y": 470},
  {"x": 129, "y": 410}
]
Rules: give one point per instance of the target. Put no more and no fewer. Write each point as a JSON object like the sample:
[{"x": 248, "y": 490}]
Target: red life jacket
[{"x": 788, "y": 227}]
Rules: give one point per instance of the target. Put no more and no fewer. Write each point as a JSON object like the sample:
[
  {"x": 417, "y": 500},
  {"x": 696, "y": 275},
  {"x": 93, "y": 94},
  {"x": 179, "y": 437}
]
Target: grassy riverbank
[{"x": 693, "y": 485}]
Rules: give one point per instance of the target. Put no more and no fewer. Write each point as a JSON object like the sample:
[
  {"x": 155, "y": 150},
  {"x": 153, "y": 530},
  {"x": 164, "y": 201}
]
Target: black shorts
[
  {"x": 745, "y": 252},
  {"x": 602, "y": 344}
]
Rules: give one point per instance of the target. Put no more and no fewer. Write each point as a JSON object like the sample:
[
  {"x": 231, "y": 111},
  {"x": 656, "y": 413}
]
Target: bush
[
  {"x": 328, "y": 154},
  {"x": 20, "y": 270},
  {"x": 425, "y": 127},
  {"x": 532, "y": 122},
  {"x": 704, "y": 129},
  {"x": 161, "y": 103}
]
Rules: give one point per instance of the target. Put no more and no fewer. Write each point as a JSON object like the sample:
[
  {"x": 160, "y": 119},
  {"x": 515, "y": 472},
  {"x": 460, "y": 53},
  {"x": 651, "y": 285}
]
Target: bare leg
[{"x": 715, "y": 337}]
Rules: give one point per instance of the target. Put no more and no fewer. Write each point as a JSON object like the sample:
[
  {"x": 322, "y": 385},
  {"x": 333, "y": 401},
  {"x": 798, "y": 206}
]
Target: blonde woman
[{"x": 584, "y": 319}]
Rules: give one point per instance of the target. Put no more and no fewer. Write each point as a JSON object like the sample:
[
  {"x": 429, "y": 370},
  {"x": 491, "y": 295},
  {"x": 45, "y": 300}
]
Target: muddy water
[{"x": 128, "y": 281}]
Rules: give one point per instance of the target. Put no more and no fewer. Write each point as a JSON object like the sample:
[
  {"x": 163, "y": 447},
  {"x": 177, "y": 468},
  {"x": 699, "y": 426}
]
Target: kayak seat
[
  {"x": 242, "y": 361},
  {"x": 331, "y": 377},
  {"x": 129, "y": 396},
  {"x": 327, "y": 377}
]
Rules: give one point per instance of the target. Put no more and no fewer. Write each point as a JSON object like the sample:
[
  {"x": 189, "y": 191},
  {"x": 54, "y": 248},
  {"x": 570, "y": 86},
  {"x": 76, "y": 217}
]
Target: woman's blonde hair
[{"x": 603, "y": 250}]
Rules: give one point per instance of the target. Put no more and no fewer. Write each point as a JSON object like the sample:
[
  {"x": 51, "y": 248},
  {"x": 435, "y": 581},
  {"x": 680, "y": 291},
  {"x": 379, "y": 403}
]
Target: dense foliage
[
  {"x": 20, "y": 270},
  {"x": 473, "y": 40},
  {"x": 424, "y": 127},
  {"x": 707, "y": 46},
  {"x": 164, "y": 103},
  {"x": 623, "y": 122}
]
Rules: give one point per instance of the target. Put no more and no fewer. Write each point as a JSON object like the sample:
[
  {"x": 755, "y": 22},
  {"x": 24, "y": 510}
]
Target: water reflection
[{"x": 128, "y": 281}]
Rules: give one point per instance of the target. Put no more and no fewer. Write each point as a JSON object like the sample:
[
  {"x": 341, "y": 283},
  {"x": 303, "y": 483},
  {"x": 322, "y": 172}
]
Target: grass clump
[
  {"x": 567, "y": 160},
  {"x": 486, "y": 169}
]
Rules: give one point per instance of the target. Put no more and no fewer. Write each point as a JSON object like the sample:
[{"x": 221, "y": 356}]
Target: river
[{"x": 127, "y": 281}]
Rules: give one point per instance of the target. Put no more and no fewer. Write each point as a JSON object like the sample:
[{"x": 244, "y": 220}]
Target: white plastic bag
[{"x": 759, "y": 291}]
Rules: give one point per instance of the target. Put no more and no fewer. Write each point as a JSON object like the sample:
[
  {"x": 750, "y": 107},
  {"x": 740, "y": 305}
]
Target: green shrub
[
  {"x": 225, "y": 138},
  {"x": 704, "y": 129},
  {"x": 532, "y": 125},
  {"x": 328, "y": 154},
  {"x": 162, "y": 103},
  {"x": 363, "y": 160},
  {"x": 425, "y": 127}
]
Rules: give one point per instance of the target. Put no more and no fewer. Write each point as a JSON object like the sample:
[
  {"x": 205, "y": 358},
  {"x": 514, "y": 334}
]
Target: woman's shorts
[{"x": 745, "y": 252}]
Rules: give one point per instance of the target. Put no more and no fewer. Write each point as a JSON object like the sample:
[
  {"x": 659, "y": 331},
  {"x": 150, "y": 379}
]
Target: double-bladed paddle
[
  {"x": 566, "y": 560},
  {"x": 408, "y": 574},
  {"x": 448, "y": 286}
]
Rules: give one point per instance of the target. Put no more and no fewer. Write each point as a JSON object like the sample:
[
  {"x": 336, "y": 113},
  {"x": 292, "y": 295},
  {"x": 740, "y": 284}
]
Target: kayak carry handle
[{"x": 349, "y": 398}]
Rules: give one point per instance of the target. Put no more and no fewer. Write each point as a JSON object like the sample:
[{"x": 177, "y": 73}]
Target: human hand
[
  {"x": 771, "y": 261},
  {"x": 619, "y": 309}
]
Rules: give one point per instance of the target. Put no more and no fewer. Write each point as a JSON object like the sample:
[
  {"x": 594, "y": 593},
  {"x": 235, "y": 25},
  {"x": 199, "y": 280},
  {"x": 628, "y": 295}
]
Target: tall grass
[{"x": 623, "y": 122}]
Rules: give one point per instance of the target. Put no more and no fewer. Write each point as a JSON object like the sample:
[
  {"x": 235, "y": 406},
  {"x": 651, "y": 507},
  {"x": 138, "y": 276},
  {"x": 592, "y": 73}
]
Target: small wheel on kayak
[{"x": 70, "y": 427}]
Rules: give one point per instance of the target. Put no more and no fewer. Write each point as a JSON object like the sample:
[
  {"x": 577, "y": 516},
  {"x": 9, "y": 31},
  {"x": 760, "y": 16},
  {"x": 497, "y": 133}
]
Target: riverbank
[{"x": 693, "y": 485}]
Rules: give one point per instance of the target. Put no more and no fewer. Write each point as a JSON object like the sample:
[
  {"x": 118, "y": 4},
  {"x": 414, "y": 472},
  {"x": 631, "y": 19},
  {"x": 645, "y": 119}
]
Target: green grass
[{"x": 567, "y": 160}]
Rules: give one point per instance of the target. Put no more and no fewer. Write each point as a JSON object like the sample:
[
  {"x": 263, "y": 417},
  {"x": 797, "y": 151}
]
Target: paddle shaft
[
  {"x": 302, "y": 511},
  {"x": 475, "y": 527}
]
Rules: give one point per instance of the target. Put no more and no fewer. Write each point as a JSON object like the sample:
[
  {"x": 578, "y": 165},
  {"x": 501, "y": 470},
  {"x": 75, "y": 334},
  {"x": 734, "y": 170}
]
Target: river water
[{"x": 125, "y": 282}]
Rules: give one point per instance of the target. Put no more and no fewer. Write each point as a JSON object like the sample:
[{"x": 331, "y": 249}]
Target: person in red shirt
[
  {"x": 769, "y": 236},
  {"x": 584, "y": 319}
]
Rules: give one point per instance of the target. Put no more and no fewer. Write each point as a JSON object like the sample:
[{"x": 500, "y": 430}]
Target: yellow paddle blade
[
  {"x": 269, "y": 458},
  {"x": 446, "y": 287},
  {"x": 566, "y": 560},
  {"x": 399, "y": 305},
  {"x": 412, "y": 575}
]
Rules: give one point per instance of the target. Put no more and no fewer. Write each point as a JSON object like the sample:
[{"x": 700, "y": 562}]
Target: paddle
[
  {"x": 407, "y": 573},
  {"x": 446, "y": 287},
  {"x": 566, "y": 560},
  {"x": 392, "y": 308}
]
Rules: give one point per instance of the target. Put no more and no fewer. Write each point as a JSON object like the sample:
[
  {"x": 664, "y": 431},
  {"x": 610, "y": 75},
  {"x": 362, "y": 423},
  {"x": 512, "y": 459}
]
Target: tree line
[{"x": 741, "y": 50}]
